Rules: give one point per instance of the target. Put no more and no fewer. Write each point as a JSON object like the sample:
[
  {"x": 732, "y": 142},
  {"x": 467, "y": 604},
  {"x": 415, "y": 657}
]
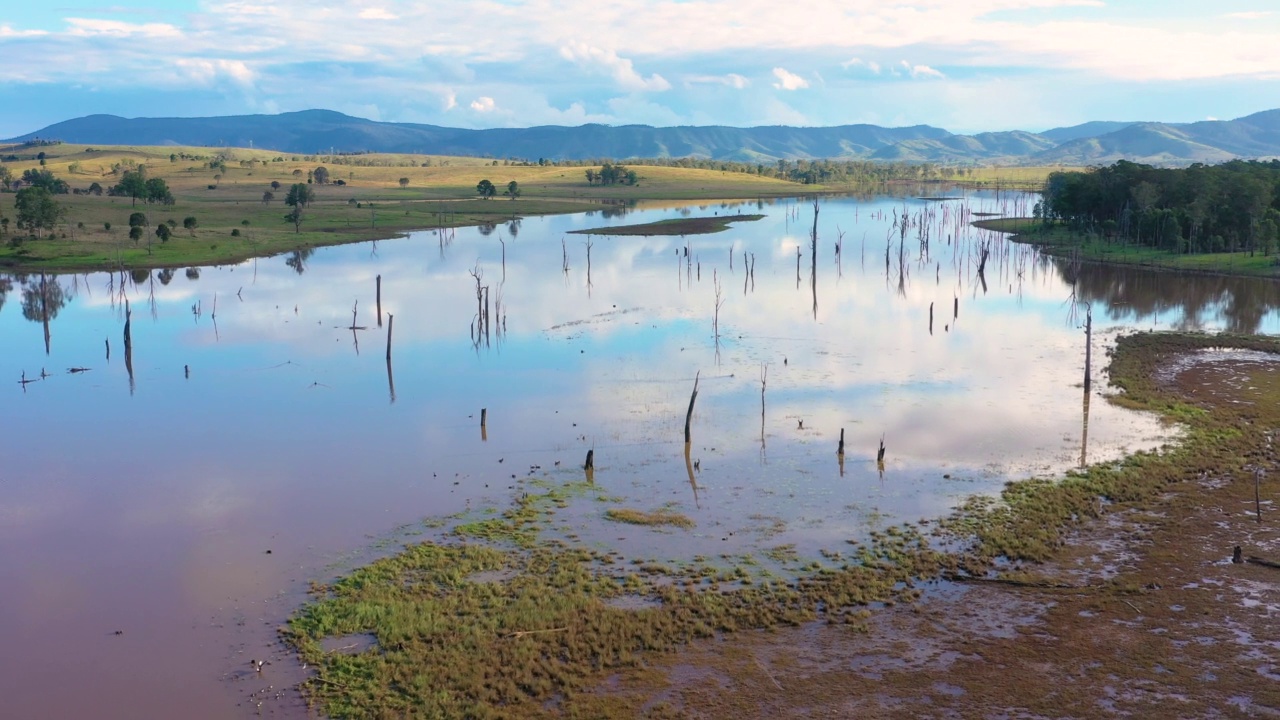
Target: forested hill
[{"x": 317, "y": 131}]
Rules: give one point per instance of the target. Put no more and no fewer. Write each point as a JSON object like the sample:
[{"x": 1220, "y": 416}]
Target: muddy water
[{"x": 159, "y": 519}]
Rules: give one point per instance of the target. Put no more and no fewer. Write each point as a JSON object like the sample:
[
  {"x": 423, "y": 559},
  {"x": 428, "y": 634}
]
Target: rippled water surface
[{"x": 161, "y": 517}]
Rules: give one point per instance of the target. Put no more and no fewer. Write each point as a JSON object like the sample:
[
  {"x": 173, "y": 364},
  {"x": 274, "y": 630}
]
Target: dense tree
[
  {"x": 6, "y": 177},
  {"x": 486, "y": 189},
  {"x": 37, "y": 210},
  {"x": 163, "y": 232},
  {"x": 45, "y": 179},
  {"x": 135, "y": 233},
  {"x": 300, "y": 195},
  {"x": 1201, "y": 208},
  {"x": 321, "y": 175},
  {"x": 190, "y": 224},
  {"x": 513, "y": 189},
  {"x": 610, "y": 174}
]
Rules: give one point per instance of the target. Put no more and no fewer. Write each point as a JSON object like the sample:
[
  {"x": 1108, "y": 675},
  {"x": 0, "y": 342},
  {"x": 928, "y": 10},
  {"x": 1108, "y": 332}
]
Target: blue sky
[{"x": 965, "y": 65}]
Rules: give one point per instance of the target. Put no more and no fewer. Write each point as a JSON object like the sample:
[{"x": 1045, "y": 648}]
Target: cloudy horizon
[{"x": 983, "y": 65}]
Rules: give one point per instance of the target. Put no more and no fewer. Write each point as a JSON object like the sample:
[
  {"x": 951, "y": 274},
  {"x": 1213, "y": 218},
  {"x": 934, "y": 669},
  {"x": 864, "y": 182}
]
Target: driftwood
[
  {"x": 1037, "y": 584},
  {"x": 1255, "y": 560}
]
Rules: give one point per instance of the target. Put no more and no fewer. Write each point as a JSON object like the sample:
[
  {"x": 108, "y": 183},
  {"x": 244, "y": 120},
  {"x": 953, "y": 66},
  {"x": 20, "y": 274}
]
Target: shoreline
[
  {"x": 1056, "y": 245},
  {"x": 1005, "y": 546}
]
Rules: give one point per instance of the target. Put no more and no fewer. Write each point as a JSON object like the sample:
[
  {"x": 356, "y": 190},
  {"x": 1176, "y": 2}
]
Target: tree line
[{"x": 1232, "y": 207}]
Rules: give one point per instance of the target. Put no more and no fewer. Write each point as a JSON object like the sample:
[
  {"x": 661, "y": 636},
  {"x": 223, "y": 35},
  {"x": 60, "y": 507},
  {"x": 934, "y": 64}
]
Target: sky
[{"x": 964, "y": 65}]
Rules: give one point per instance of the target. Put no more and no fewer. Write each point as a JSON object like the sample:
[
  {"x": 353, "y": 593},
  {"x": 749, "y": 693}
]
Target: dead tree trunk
[{"x": 688, "y": 416}]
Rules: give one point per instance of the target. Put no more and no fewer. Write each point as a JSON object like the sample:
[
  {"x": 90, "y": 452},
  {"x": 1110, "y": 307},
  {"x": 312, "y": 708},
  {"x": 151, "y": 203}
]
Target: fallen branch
[{"x": 1037, "y": 584}]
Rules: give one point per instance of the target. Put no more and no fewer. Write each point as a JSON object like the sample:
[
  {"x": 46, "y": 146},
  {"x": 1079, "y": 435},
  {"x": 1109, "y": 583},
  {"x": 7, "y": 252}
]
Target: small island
[{"x": 674, "y": 226}]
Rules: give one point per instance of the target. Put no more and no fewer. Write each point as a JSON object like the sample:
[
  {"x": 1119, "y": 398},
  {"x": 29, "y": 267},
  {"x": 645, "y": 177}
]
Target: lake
[{"x": 161, "y": 517}]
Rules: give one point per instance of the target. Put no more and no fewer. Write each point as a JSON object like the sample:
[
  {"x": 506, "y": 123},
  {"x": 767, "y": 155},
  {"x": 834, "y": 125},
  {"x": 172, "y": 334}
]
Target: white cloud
[
  {"x": 208, "y": 71},
  {"x": 788, "y": 80},
  {"x": 733, "y": 80},
  {"x": 450, "y": 100},
  {"x": 7, "y": 31},
  {"x": 483, "y": 104},
  {"x": 622, "y": 70},
  {"x": 85, "y": 27},
  {"x": 1251, "y": 15},
  {"x": 871, "y": 65},
  {"x": 920, "y": 71},
  {"x": 377, "y": 14}
]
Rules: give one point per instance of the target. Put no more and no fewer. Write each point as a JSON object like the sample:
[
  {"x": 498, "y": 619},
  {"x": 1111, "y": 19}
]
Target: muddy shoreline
[{"x": 1115, "y": 582}]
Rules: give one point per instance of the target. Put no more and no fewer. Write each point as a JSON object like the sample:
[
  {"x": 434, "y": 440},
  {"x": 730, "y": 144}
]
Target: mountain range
[{"x": 320, "y": 131}]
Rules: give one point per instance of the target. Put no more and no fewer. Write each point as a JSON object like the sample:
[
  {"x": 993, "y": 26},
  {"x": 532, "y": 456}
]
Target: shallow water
[{"x": 259, "y": 443}]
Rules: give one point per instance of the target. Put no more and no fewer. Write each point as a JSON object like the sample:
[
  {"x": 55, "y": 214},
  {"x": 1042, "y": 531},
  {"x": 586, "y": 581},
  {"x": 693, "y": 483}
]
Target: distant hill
[
  {"x": 319, "y": 131},
  {"x": 1084, "y": 130}
]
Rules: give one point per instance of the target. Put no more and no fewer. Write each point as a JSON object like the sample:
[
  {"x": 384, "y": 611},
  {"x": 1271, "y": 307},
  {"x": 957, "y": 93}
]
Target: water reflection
[
  {"x": 1183, "y": 301},
  {"x": 286, "y": 438}
]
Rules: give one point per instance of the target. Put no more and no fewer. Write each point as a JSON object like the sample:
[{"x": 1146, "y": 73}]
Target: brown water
[{"x": 256, "y": 447}]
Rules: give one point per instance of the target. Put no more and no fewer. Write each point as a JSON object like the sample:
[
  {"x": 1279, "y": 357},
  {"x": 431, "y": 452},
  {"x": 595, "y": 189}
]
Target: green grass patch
[{"x": 656, "y": 518}]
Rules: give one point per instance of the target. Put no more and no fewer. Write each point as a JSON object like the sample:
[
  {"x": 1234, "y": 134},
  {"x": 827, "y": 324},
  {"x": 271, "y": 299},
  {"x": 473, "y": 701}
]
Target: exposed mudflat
[{"x": 1147, "y": 616}]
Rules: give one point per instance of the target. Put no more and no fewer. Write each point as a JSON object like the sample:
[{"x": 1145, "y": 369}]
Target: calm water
[{"x": 260, "y": 443}]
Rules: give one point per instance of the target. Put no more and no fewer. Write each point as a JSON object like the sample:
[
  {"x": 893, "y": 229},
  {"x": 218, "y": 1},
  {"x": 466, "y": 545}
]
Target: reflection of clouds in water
[
  {"x": 283, "y": 438},
  {"x": 999, "y": 385}
]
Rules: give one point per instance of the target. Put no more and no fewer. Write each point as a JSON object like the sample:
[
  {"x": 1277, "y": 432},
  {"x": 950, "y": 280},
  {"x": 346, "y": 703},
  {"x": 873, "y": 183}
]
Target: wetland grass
[
  {"x": 652, "y": 519},
  {"x": 545, "y": 640}
]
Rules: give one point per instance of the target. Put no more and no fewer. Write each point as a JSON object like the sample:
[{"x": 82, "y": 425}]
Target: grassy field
[
  {"x": 1012, "y": 178},
  {"x": 234, "y": 223},
  {"x": 1089, "y": 247}
]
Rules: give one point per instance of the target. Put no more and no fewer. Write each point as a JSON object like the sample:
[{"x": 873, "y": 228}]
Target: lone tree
[
  {"x": 190, "y": 224},
  {"x": 298, "y": 198},
  {"x": 133, "y": 184},
  {"x": 513, "y": 189},
  {"x": 486, "y": 189},
  {"x": 267, "y": 197},
  {"x": 321, "y": 175},
  {"x": 37, "y": 210},
  {"x": 163, "y": 232},
  {"x": 157, "y": 190},
  {"x": 404, "y": 182}
]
